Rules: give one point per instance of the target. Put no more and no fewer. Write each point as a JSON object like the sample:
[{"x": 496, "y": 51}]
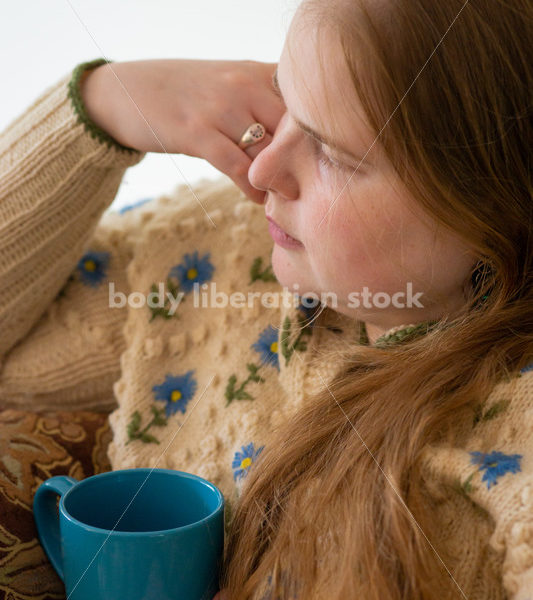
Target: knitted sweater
[{"x": 196, "y": 385}]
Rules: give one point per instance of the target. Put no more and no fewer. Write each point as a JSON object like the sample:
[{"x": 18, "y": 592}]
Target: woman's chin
[{"x": 287, "y": 273}]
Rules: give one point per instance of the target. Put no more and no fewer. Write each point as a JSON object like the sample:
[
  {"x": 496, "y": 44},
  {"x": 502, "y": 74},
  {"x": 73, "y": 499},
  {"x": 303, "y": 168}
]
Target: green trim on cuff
[{"x": 79, "y": 108}]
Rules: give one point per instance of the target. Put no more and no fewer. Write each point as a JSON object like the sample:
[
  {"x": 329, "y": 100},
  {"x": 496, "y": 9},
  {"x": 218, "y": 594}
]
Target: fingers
[
  {"x": 269, "y": 113},
  {"x": 255, "y": 149},
  {"x": 268, "y": 107},
  {"x": 226, "y": 156}
]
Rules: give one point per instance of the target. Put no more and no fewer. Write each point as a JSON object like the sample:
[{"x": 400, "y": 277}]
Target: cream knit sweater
[{"x": 197, "y": 388}]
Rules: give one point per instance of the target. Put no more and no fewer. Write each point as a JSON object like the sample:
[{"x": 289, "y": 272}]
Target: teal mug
[{"x": 137, "y": 534}]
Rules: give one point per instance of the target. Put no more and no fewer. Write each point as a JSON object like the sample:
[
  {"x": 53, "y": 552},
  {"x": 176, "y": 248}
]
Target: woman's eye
[
  {"x": 324, "y": 158},
  {"x": 332, "y": 162}
]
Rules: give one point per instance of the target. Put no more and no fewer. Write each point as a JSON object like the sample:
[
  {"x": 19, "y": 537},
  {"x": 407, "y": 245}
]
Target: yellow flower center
[
  {"x": 192, "y": 273},
  {"x": 175, "y": 396},
  {"x": 246, "y": 462},
  {"x": 89, "y": 265},
  {"x": 274, "y": 347}
]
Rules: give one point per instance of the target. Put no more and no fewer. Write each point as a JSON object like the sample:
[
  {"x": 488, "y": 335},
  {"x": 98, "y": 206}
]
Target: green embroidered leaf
[
  {"x": 255, "y": 269},
  {"x": 148, "y": 438},
  {"x": 159, "y": 418},
  {"x": 467, "y": 486},
  {"x": 256, "y": 273},
  {"x": 253, "y": 373},
  {"x": 495, "y": 410},
  {"x": 159, "y": 312},
  {"x": 173, "y": 289},
  {"x": 240, "y": 394},
  {"x": 299, "y": 344},
  {"x": 491, "y": 413},
  {"x": 134, "y": 424},
  {"x": 164, "y": 311},
  {"x": 230, "y": 389}
]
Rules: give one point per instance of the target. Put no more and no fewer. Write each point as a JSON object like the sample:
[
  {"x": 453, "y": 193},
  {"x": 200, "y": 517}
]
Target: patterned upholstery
[{"x": 34, "y": 447}]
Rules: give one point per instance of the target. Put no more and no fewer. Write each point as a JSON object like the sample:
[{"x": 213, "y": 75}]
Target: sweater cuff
[{"x": 74, "y": 93}]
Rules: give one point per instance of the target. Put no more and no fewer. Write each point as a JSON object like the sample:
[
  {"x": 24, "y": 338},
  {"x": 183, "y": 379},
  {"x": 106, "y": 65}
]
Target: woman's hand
[
  {"x": 195, "y": 107},
  {"x": 221, "y": 596}
]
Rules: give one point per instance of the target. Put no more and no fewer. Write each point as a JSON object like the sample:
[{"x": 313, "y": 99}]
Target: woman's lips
[{"x": 282, "y": 238}]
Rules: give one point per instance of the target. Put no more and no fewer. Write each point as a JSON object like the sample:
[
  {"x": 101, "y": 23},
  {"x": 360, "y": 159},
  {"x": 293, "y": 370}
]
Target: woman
[{"x": 393, "y": 460}]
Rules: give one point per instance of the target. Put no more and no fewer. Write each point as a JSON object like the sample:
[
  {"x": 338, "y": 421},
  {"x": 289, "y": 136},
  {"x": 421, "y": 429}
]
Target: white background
[{"x": 43, "y": 40}]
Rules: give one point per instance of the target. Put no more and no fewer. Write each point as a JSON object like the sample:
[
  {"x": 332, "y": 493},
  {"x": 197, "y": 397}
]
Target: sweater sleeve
[{"x": 58, "y": 174}]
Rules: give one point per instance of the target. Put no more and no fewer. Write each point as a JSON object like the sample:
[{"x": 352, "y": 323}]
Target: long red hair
[{"x": 317, "y": 516}]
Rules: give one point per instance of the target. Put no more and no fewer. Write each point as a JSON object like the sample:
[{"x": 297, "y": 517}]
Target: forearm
[{"x": 58, "y": 174}]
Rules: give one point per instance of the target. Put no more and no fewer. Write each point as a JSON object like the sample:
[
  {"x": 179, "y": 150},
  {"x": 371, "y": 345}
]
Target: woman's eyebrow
[{"x": 315, "y": 134}]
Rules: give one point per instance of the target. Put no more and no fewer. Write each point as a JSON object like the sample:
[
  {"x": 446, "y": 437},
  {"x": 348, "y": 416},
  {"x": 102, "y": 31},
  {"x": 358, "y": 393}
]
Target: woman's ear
[{"x": 481, "y": 274}]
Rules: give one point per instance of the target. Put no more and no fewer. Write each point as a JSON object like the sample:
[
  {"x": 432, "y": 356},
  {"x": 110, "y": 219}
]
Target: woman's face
[{"x": 356, "y": 226}]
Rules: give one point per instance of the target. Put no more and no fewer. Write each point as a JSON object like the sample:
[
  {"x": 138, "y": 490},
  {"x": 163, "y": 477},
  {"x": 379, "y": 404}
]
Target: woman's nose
[{"x": 273, "y": 169}]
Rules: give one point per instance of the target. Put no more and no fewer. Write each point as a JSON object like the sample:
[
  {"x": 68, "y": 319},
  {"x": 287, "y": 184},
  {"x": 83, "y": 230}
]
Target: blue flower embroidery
[
  {"x": 92, "y": 267},
  {"x": 176, "y": 391},
  {"x": 124, "y": 209},
  {"x": 527, "y": 368},
  {"x": 495, "y": 464},
  {"x": 193, "y": 270},
  {"x": 243, "y": 460},
  {"x": 267, "y": 346}
]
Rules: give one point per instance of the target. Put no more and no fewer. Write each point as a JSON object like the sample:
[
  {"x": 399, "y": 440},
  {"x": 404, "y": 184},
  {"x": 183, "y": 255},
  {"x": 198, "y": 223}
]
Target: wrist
[
  {"x": 94, "y": 97},
  {"x": 90, "y": 92}
]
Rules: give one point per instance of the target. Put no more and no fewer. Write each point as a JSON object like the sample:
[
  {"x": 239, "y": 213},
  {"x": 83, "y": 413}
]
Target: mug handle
[{"x": 46, "y": 519}]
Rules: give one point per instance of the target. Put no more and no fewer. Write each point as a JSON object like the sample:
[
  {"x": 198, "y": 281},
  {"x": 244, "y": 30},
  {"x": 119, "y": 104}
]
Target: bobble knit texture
[{"x": 199, "y": 390}]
